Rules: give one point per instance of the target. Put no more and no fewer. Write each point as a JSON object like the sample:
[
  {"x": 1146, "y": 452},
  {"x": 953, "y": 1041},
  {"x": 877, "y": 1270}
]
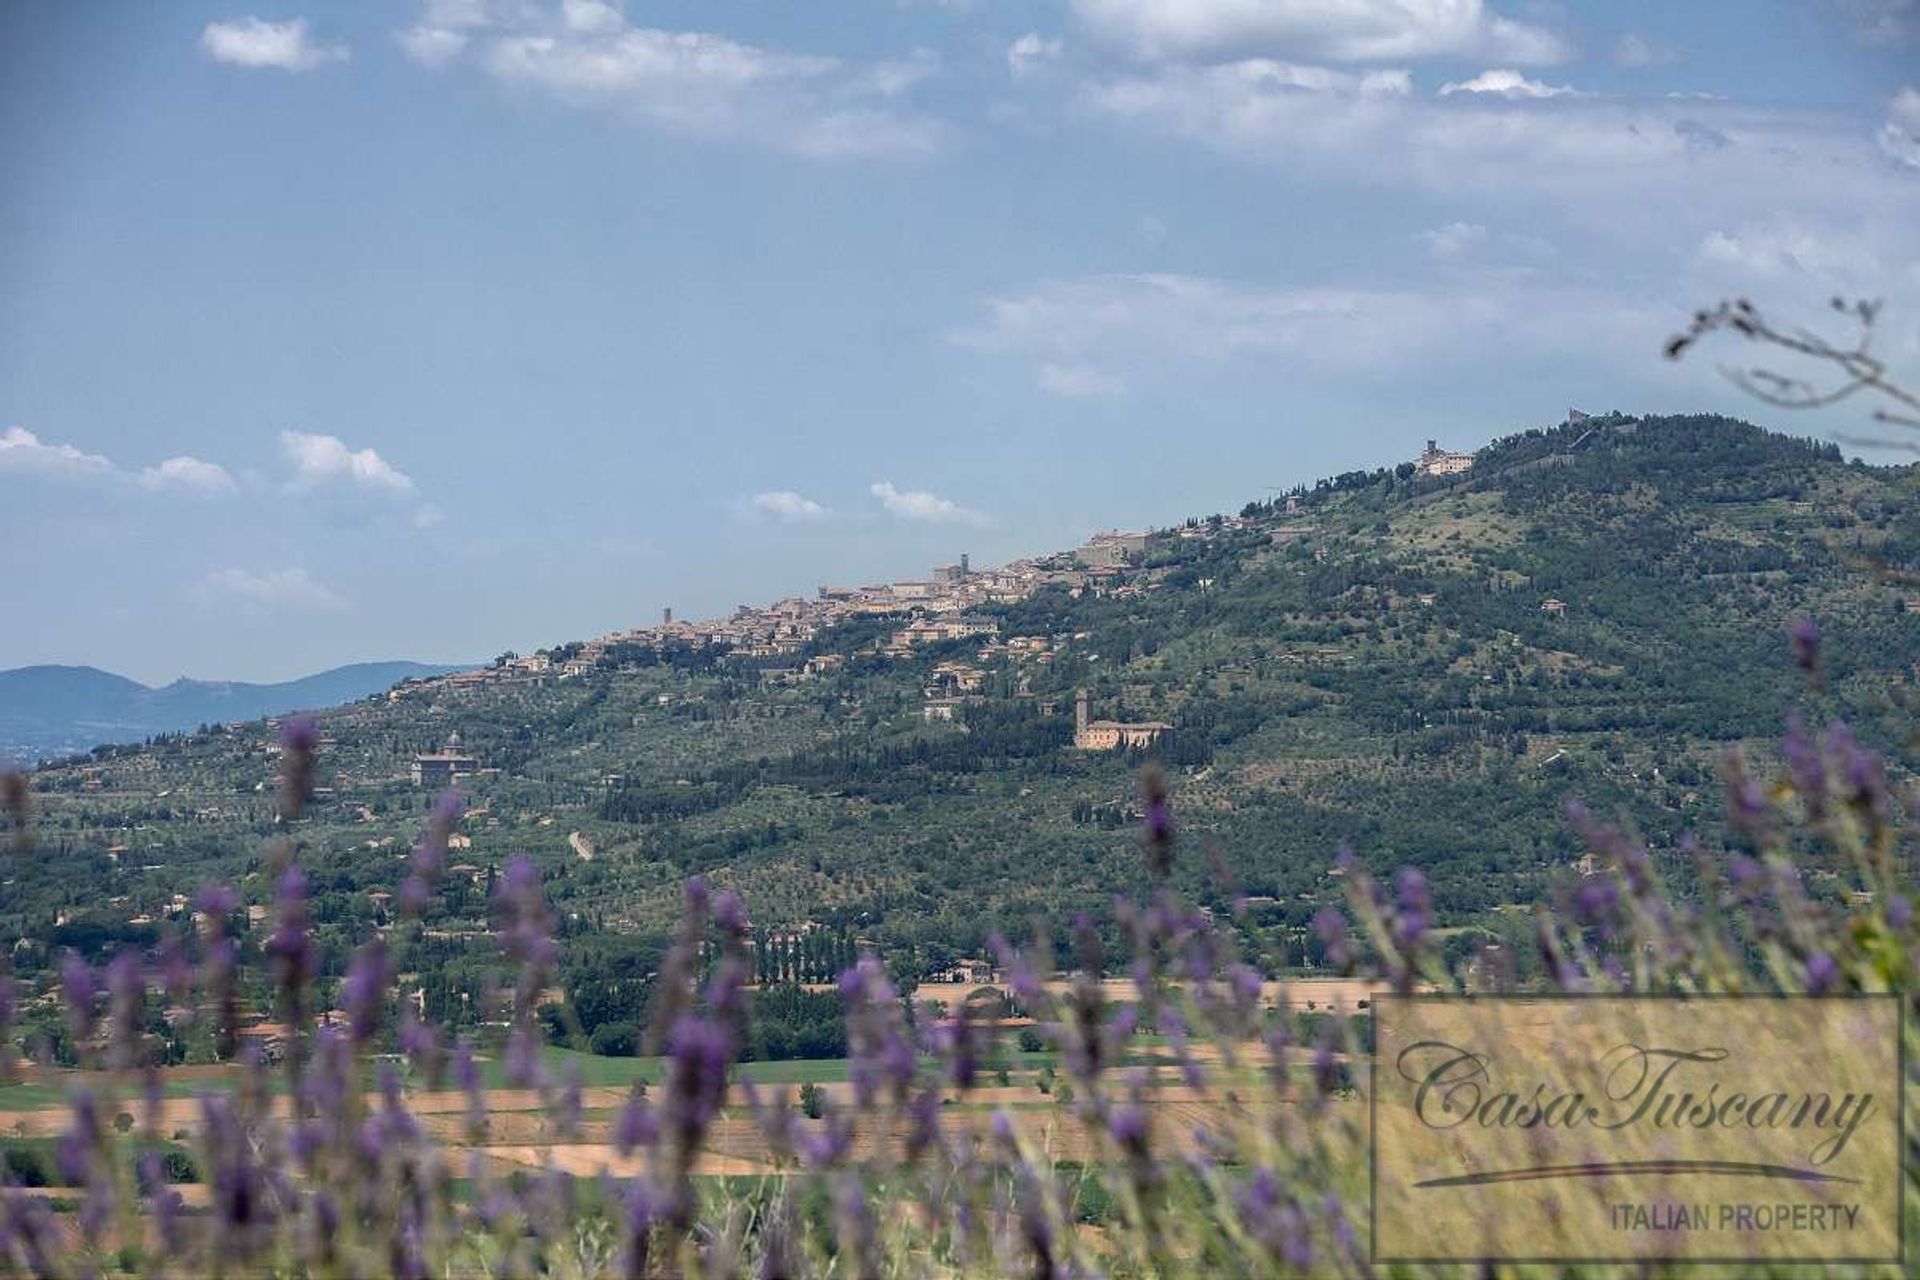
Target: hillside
[
  {"x": 49, "y": 711},
  {"x": 1424, "y": 669}
]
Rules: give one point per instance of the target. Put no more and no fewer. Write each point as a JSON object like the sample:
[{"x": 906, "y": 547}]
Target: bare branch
[{"x": 1859, "y": 372}]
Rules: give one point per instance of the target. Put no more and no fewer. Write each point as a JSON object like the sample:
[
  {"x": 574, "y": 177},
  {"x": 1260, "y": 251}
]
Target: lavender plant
[{"x": 1197, "y": 1125}]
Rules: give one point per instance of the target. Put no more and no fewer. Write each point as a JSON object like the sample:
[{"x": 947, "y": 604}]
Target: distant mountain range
[{"x": 51, "y": 711}]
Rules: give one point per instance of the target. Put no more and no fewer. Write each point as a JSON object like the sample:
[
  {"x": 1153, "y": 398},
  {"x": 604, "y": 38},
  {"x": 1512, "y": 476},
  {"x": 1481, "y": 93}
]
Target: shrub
[{"x": 26, "y": 1166}]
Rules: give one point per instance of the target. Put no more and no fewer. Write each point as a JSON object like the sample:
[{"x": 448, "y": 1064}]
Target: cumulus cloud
[
  {"x": 321, "y": 460},
  {"x": 1031, "y": 52},
  {"x": 1337, "y": 30},
  {"x": 24, "y": 453},
  {"x": 1506, "y": 83},
  {"x": 693, "y": 83},
  {"x": 186, "y": 474},
  {"x": 918, "y": 504},
  {"x": 1899, "y": 137},
  {"x": 254, "y": 43},
  {"x": 786, "y": 505},
  {"x": 274, "y": 591}
]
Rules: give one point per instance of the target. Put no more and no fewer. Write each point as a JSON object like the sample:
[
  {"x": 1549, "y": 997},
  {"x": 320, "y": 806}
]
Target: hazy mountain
[{"x": 49, "y": 711}]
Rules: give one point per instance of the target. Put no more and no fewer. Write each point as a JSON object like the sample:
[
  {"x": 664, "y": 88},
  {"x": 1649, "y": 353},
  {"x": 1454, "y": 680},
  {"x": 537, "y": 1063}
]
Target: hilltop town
[{"x": 941, "y": 607}]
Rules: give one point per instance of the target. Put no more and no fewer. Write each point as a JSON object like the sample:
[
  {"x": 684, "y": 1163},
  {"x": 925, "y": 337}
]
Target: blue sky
[{"x": 345, "y": 331}]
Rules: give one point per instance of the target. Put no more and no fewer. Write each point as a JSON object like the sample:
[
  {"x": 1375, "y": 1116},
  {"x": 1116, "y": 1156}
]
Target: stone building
[
  {"x": 445, "y": 767},
  {"x": 1111, "y": 735}
]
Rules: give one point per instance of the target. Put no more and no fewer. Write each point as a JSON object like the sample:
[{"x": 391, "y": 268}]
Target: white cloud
[
  {"x": 1613, "y": 167},
  {"x": 285, "y": 46},
  {"x": 189, "y": 475},
  {"x": 1032, "y": 52},
  {"x": 1454, "y": 239},
  {"x": 1506, "y": 83},
  {"x": 23, "y": 452},
  {"x": 1899, "y": 137},
  {"x": 1338, "y": 30},
  {"x": 432, "y": 46},
  {"x": 320, "y": 460},
  {"x": 1179, "y": 327},
  {"x": 918, "y": 504},
  {"x": 275, "y": 591},
  {"x": 785, "y": 504},
  {"x": 445, "y": 29},
  {"x": 1813, "y": 261},
  {"x": 1078, "y": 381},
  {"x": 693, "y": 83}
]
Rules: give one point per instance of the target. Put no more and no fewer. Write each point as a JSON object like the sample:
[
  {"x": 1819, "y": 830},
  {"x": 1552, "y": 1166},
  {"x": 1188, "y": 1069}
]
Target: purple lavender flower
[
  {"x": 953, "y": 1039},
  {"x": 1805, "y": 765},
  {"x": 217, "y": 901},
  {"x": 363, "y": 994},
  {"x": 644, "y": 1212},
  {"x": 77, "y": 981},
  {"x": 300, "y": 733},
  {"x": 1156, "y": 826},
  {"x": 526, "y": 934},
  {"x": 291, "y": 945},
  {"x": 1258, "y": 1201},
  {"x": 635, "y": 1127},
  {"x": 1747, "y": 807},
  {"x": 82, "y": 1143},
  {"x": 1415, "y": 909},
  {"x": 1022, "y": 979},
  {"x": 430, "y": 854},
  {"x": 1330, "y": 927},
  {"x": 1823, "y": 974},
  {"x": 127, "y": 991},
  {"x": 698, "y": 1054},
  {"x": 1803, "y": 637},
  {"x": 1596, "y": 902},
  {"x": 16, "y": 794},
  {"x": 854, "y": 1225},
  {"x": 830, "y": 1143},
  {"x": 730, "y": 913},
  {"x": 567, "y": 1113},
  {"x": 298, "y": 739},
  {"x": 923, "y": 1133},
  {"x": 521, "y": 1063},
  {"x": 1127, "y": 1126}
]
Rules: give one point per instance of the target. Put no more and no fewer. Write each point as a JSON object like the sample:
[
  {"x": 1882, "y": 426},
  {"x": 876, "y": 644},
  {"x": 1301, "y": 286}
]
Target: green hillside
[{"x": 1373, "y": 661}]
